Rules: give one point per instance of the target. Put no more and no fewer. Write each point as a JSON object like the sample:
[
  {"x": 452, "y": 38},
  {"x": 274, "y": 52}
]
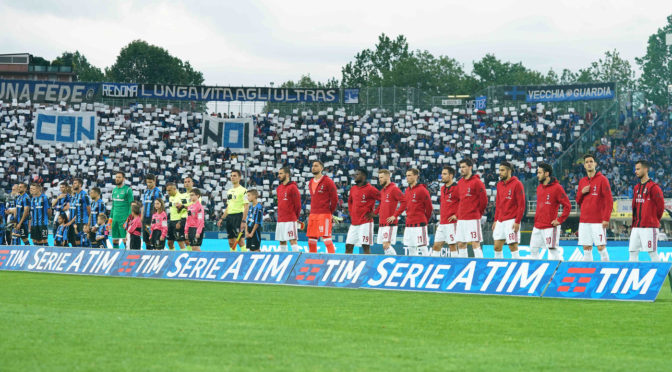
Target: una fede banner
[
  {"x": 560, "y": 93},
  {"x": 215, "y": 93},
  {"x": 47, "y": 91}
]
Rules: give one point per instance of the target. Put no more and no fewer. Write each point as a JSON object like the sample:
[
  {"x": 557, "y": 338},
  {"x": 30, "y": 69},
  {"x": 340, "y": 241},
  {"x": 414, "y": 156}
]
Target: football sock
[
  {"x": 534, "y": 253},
  {"x": 478, "y": 253},
  {"x": 330, "y": 245},
  {"x": 604, "y": 255},
  {"x": 634, "y": 256},
  {"x": 312, "y": 245},
  {"x": 390, "y": 251},
  {"x": 462, "y": 253},
  {"x": 588, "y": 255},
  {"x": 283, "y": 247},
  {"x": 515, "y": 254},
  {"x": 654, "y": 256},
  {"x": 436, "y": 253},
  {"x": 499, "y": 254}
]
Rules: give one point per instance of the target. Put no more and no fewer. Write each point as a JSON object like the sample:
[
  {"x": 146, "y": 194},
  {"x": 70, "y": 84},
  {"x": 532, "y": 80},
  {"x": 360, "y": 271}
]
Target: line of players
[
  {"x": 81, "y": 220},
  {"x": 462, "y": 205}
]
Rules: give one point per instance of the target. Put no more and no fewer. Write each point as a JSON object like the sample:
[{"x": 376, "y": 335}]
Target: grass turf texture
[{"x": 60, "y": 322}]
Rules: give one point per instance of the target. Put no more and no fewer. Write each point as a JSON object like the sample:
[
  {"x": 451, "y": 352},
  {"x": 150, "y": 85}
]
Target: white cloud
[{"x": 253, "y": 43}]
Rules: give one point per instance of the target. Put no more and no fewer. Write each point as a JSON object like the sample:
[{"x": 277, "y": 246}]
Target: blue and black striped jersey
[
  {"x": 60, "y": 205},
  {"x": 39, "y": 209},
  {"x": 78, "y": 207},
  {"x": 22, "y": 202},
  {"x": 97, "y": 207},
  {"x": 255, "y": 215},
  {"x": 148, "y": 198}
]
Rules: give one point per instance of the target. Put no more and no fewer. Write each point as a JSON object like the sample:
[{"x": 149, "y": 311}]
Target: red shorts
[{"x": 319, "y": 225}]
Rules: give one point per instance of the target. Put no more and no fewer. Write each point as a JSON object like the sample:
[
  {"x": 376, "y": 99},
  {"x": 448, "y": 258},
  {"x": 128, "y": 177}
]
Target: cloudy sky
[{"x": 257, "y": 42}]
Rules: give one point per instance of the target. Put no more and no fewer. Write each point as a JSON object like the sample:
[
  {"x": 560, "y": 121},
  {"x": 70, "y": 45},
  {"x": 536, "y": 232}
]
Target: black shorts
[
  {"x": 72, "y": 236},
  {"x": 39, "y": 233},
  {"x": 146, "y": 223},
  {"x": 194, "y": 240},
  {"x": 157, "y": 241},
  {"x": 136, "y": 242},
  {"x": 253, "y": 243},
  {"x": 233, "y": 222},
  {"x": 22, "y": 230},
  {"x": 174, "y": 233}
]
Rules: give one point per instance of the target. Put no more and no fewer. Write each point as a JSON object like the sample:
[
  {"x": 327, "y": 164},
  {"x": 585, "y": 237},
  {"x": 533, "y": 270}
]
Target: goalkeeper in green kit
[{"x": 122, "y": 197}]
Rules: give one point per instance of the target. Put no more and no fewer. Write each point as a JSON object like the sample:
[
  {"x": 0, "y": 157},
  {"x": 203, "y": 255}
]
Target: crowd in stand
[
  {"x": 643, "y": 133},
  {"x": 143, "y": 139}
]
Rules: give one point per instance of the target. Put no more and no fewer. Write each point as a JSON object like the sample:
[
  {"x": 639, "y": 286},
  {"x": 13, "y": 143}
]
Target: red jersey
[
  {"x": 473, "y": 199},
  {"x": 597, "y": 204},
  {"x": 648, "y": 205},
  {"x": 323, "y": 196},
  {"x": 289, "y": 202},
  {"x": 450, "y": 199},
  {"x": 549, "y": 199},
  {"x": 510, "y": 202},
  {"x": 361, "y": 201},
  {"x": 390, "y": 197},
  {"x": 418, "y": 206}
]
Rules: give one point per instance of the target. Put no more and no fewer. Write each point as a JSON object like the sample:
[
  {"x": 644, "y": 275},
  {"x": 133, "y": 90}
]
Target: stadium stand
[{"x": 165, "y": 141}]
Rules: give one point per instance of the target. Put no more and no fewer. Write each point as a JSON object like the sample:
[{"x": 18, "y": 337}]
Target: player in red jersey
[
  {"x": 509, "y": 211},
  {"x": 446, "y": 232},
  {"x": 473, "y": 201},
  {"x": 594, "y": 198},
  {"x": 323, "y": 204},
  {"x": 361, "y": 202},
  {"x": 648, "y": 205},
  {"x": 546, "y": 231},
  {"x": 289, "y": 209},
  {"x": 391, "y": 201},
  {"x": 418, "y": 212}
]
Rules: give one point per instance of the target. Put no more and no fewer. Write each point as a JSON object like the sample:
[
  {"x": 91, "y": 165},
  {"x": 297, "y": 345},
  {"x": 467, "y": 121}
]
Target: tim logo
[
  {"x": 576, "y": 283},
  {"x": 309, "y": 270},
  {"x": 127, "y": 266},
  {"x": 3, "y": 256}
]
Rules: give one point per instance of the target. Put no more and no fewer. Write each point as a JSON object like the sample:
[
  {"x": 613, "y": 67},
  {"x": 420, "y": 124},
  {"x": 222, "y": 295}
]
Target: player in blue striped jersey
[
  {"x": 80, "y": 208},
  {"x": 61, "y": 203},
  {"x": 97, "y": 207},
  {"x": 148, "y": 197},
  {"x": 39, "y": 215},
  {"x": 255, "y": 216},
  {"x": 22, "y": 215}
]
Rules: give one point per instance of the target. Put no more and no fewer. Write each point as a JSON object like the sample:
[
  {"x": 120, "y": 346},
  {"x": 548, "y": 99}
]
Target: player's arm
[
  {"x": 658, "y": 200},
  {"x": 246, "y": 208},
  {"x": 566, "y": 206},
  {"x": 483, "y": 198},
  {"x": 580, "y": 193},
  {"x": 608, "y": 202},
  {"x": 333, "y": 196},
  {"x": 296, "y": 199},
  {"x": 497, "y": 211},
  {"x": 632, "y": 205},
  {"x": 429, "y": 208},
  {"x": 521, "y": 203},
  {"x": 401, "y": 208},
  {"x": 129, "y": 199},
  {"x": 26, "y": 213}
]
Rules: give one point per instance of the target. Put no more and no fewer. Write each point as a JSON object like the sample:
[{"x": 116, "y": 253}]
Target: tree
[
  {"x": 307, "y": 82},
  {"x": 656, "y": 66},
  {"x": 84, "y": 71},
  {"x": 491, "y": 71},
  {"x": 613, "y": 68},
  {"x": 377, "y": 67},
  {"x": 38, "y": 61},
  {"x": 141, "y": 62}
]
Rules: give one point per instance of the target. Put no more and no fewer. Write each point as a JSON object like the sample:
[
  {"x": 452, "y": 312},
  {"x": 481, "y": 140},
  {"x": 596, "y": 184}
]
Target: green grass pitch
[{"x": 83, "y": 323}]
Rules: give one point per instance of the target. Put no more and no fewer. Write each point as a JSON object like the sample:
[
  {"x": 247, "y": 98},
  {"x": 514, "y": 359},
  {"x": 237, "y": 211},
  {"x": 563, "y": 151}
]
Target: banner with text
[
  {"x": 456, "y": 275},
  {"x": 53, "y": 127},
  {"x": 627, "y": 281},
  {"x": 46, "y": 91},
  {"x": 235, "y": 134},
  {"x": 270, "y": 268},
  {"x": 560, "y": 93},
  {"x": 214, "y": 93}
]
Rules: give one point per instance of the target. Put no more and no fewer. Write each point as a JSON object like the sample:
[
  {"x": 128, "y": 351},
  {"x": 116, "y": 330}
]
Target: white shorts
[
  {"x": 387, "y": 234},
  {"x": 592, "y": 234},
  {"x": 359, "y": 235},
  {"x": 504, "y": 231},
  {"x": 545, "y": 238},
  {"x": 446, "y": 233},
  {"x": 415, "y": 236},
  {"x": 644, "y": 239},
  {"x": 469, "y": 231},
  {"x": 286, "y": 231}
]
